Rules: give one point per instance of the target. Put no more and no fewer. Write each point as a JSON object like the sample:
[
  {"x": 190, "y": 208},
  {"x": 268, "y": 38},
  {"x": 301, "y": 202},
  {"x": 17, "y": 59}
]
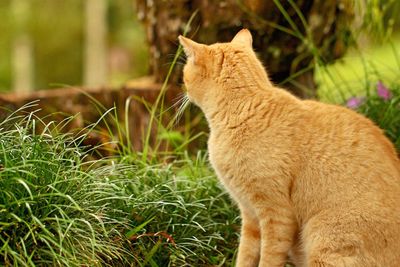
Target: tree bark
[{"x": 285, "y": 45}]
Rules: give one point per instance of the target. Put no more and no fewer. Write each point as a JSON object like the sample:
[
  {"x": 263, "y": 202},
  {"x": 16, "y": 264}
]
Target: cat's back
[
  {"x": 346, "y": 132},
  {"x": 347, "y": 157}
]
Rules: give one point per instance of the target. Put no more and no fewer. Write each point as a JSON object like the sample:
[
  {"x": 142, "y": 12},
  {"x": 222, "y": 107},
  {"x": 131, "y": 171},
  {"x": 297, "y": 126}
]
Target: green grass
[
  {"x": 353, "y": 74},
  {"x": 186, "y": 202},
  {"x": 56, "y": 209},
  {"x": 59, "y": 208}
]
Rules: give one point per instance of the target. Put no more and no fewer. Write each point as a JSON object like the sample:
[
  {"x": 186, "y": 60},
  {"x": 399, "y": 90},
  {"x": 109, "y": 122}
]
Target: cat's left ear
[
  {"x": 243, "y": 37},
  {"x": 191, "y": 48}
]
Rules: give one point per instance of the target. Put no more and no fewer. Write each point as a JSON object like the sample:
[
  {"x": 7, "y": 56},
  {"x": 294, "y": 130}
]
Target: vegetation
[
  {"x": 56, "y": 209},
  {"x": 59, "y": 208}
]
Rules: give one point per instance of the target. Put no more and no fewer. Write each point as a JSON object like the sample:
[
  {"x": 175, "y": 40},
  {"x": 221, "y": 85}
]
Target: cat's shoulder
[
  {"x": 318, "y": 107},
  {"x": 332, "y": 113}
]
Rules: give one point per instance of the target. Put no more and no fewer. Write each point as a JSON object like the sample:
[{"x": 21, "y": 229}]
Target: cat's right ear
[
  {"x": 191, "y": 48},
  {"x": 243, "y": 37}
]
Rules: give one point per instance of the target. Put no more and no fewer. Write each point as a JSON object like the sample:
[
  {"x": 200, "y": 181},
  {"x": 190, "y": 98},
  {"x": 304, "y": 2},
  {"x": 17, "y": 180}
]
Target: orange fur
[{"x": 317, "y": 182}]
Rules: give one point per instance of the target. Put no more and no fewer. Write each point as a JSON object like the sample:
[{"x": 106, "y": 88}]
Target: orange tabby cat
[{"x": 314, "y": 182}]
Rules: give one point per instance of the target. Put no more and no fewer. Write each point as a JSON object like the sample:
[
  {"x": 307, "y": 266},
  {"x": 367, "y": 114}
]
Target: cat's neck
[
  {"x": 239, "y": 108},
  {"x": 235, "y": 106}
]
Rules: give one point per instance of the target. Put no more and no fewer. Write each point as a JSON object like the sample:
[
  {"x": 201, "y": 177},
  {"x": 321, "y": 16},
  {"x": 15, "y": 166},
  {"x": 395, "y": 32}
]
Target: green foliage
[
  {"x": 59, "y": 208},
  {"x": 380, "y": 18},
  {"x": 56, "y": 210},
  {"x": 186, "y": 205}
]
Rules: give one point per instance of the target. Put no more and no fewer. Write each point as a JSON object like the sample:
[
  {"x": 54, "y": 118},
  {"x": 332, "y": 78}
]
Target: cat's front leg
[
  {"x": 249, "y": 246},
  {"x": 278, "y": 228}
]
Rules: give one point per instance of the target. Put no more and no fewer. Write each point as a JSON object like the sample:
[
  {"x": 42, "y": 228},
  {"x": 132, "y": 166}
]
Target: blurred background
[
  {"x": 122, "y": 49},
  {"x": 46, "y": 43}
]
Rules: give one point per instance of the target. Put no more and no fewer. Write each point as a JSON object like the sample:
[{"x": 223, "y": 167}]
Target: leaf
[{"x": 138, "y": 228}]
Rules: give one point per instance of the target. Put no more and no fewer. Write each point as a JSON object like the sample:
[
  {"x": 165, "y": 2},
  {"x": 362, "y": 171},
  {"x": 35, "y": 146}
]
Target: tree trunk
[
  {"x": 285, "y": 45},
  {"x": 96, "y": 46},
  {"x": 22, "y": 56}
]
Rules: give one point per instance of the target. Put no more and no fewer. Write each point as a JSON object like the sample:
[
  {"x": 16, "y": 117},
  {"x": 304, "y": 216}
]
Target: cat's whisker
[
  {"x": 181, "y": 60},
  {"x": 172, "y": 55},
  {"x": 180, "y": 102},
  {"x": 179, "y": 97},
  {"x": 177, "y": 102},
  {"x": 183, "y": 106},
  {"x": 176, "y": 63}
]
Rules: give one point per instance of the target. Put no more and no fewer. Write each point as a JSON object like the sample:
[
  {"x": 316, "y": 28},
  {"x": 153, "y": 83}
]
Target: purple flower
[
  {"x": 382, "y": 91},
  {"x": 354, "y": 102}
]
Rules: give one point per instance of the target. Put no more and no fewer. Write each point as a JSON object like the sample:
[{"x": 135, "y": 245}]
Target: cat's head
[{"x": 214, "y": 70}]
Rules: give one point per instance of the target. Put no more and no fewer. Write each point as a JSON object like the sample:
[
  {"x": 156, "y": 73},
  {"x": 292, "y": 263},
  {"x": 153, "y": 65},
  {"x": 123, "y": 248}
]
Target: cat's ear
[
  {"x": 191, "y": 48},
  {"x": 243, "y": 37}
]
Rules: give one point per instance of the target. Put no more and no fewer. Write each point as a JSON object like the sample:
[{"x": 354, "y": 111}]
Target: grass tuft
[{"x": 56, "y": 209}]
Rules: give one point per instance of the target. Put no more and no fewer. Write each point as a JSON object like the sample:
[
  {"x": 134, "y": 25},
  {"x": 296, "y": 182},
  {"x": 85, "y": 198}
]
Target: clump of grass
[
  {"x": 58, "y": 208},
  {"x": 189, "y": 220},
  {"x": 55, "y": 209}
]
